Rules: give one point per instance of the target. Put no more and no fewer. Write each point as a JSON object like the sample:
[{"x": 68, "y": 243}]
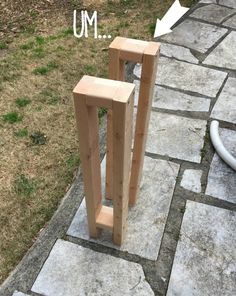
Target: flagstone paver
[
  {"x": 229, "y": 3},
  {"x": 189, "y": 77},
  {"x": 224, "y": 55},
  {"x": 178, "y": 52},
  {"x": 176, "y": 136},
  {"x": 192, "y": 180},
  {"x": 205, "y": 259},
  {"x": 225, "y": 107},
  {"x": 72, "y": 270},
  {"x": 213, "y": 13},
  {"x": 175, "y": 100},
  {"x": 222, "y": 179},
  {"x": 147, "y": 219},
  {"x": 231, "y": 22},
  {"x": 195, "y": 35},
  {"x": 19, "y": 294}
]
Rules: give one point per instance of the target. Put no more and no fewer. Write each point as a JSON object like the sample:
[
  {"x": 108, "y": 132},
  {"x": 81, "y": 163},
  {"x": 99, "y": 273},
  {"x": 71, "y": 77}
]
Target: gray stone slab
[
  {"x": 176, "y": 136},
  {"x": 229, "y": 3},
  {"x": 213, "y": 13},
  {"x": 205, "y": 259},
  {"x": 224, "y": 55},
  {"x": 72, "y": 270},
  {"x": 146, "y": 221},
  {"x": 185, "y": 76},
  {"x": 178, "y": 52},
  {"x": 195, "y": 35},
  {"x": 221, "y": 178},
  {"x": 207, "y": 1},
  {"x": 175, "y": 100},
  {"x": 16, "y": 293},
  {"x": 192, "y": 180},
  {"x": 225, "y": 107},
  {"x": 231, "y": 22}
]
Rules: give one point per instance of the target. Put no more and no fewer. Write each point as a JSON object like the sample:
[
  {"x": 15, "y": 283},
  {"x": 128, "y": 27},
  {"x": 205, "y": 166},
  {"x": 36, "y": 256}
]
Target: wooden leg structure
[
  {"x": 146, "y": 53},
  {"x": 117, "y": 96},
  {"x": 123, "y": 176}
]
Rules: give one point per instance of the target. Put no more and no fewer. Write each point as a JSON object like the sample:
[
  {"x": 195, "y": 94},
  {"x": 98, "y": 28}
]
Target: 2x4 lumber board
[
  {"x": 87, "y": 123},
  {"x": 105, "y": 218},
  {"x": 148, "y": 76},
  {"x": 116, "y": 72},
  {"x": 122, "y": 129}
]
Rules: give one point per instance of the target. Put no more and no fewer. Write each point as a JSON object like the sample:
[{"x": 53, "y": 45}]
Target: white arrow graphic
[{"x": 175, "y": 12}]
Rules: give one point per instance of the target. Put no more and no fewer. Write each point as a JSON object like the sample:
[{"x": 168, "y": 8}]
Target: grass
[
  {"x": 21, "y": 133},
  {"x": 3, "y": 45},
  {"x": 45, "y": 69},
  {"x": 24, "y": 186},
  {"x": 39, "y": 145},
  {"x": 22, "y": 102},
  {"x": 12, "y": 117}
]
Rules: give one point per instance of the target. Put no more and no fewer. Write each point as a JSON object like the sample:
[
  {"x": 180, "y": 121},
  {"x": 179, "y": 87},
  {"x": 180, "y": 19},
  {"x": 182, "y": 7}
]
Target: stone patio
[
  {"x": 226, "y": 50},
  {"x": 205, "y": 260},
  {"x": 221, "y": 178},
  {"x": 72, "y": 270},
  {"x": 195, "y": 35},
  {"x": 225, "y": 107},
  {"x": 147, "y": 219},
  {"x": 181, "y": 235}
]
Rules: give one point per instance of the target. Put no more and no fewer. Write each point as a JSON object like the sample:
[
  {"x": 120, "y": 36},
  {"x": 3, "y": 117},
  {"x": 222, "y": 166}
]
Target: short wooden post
[
  {"x": 90, "y": 93},
  {"x": 146, "y": 53}
]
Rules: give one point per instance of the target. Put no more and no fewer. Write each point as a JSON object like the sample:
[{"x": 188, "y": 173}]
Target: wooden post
[
  {"x": 146, "y": 53},
  {"x": 90, "y": 93},
  {"x": 116, "y": 72},
  {"x": 122, "y": 140}
]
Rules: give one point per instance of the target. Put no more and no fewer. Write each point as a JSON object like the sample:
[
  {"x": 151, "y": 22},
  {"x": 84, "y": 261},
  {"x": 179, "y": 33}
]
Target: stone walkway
[{"x": 181, "y": 238}]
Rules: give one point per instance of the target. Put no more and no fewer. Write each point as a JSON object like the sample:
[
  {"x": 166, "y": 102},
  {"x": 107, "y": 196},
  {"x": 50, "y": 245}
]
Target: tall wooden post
[
  {"x": 146, "y": 53},
  {"x": 90, "y": 93}
]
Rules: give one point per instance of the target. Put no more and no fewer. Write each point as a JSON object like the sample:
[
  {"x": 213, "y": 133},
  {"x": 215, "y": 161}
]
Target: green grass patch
[
  {"x": 39, "y": 52},
  {"x": 73, "y": 161},
  {"x": 12, "y": 117},
  {"x": 52, "y": 65},
  {"x": 45, "y": 69},
  {"x": 22, "y": 102},
  {"x": 21, "y": 133},
  {"x": 27, "y": 46},
  {"x": 49, "y": 97},
  {"x": 24, "y": 186},
  {"x": 151, "y": 28},
  {"x": 89, "y": 69},
  {"x": 68, "y": 32},
  {"x": 41, "y": 70},
  {"x": 101, "y": 112},
  {"x": 39, "y": 40},
  {"x": 3, "y": 45}
]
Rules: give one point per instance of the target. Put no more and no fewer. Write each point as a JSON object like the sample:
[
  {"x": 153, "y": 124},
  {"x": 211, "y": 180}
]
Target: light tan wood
[
  {"x": 87, "y": 124},
  {"x": 146, "y": 53},
  {"x": 132, "y": 50},
  {"x": 122, "y": 128},
  {"x": 119, "y": 97},
  {"x": 105, "y": 218},
  {"x": 147, "y": 83},
  {"x": 116, "y": 72}
]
